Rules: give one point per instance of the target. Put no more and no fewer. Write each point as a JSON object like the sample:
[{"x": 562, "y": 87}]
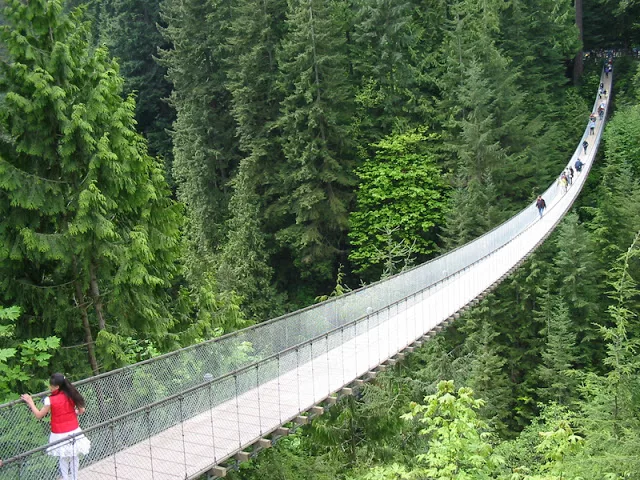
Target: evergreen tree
[
  {"x": 129, "y": 28},
  {"x": 622, "y": 140},
  {"x": 487, "y": 129},
  {"x": 610, "y": 23},
  {"x": 576, "y": 277},
  {"x": 616, "y": 214},
  {"x": 312, "y": 199},
  {"x": 90, "y": 237},
  {"x": 252, "y": 71},
  {"x": 559, "y": 354},
  {"x": 512, "y": 317},
  {"x": 244, "y": 268},
  {"x": 383, "y": 46},
  {"x": 205, "y": 150},
  {"x": 609, "y": 414},
  {"x": 487, "y": 377}
]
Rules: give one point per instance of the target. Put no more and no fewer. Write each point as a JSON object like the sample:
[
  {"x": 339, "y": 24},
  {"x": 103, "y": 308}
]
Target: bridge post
[{"x": 258, "y": 389}]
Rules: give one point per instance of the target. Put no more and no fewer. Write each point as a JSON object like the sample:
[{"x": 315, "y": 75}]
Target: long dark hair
[{"x": 59, "y": 380}]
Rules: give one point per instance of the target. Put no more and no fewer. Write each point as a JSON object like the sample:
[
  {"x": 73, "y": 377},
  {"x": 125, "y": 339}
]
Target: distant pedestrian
[
  {"x": 579, "y": 165},
  {"x": 564, "y": 183},
  {"x": 541, "y": 205},
  {"x": 570, "y": 176},
  {"x": 592, "y": 127},
  {"x": 585, "y": 145}
]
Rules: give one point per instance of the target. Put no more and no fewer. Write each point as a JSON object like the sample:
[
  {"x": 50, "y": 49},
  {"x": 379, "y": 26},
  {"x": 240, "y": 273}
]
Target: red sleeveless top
[{"x": 63, "y": 413}]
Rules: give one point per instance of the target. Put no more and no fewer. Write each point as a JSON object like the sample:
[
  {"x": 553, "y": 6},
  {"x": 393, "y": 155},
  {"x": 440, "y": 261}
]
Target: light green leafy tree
[
  {"x": 458, "y": 440},
  {"x": 400, "y": 201},
  {"x": 20, "y": 360}
]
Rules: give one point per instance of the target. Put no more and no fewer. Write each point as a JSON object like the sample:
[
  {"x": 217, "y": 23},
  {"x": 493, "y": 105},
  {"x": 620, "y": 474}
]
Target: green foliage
[
  {"x": 244, "y": 263},
  {"x": 21, "y": 361},
  {"x": 244, "y": 267},
  {"x": 289, "y": 460},
  {"x": 315, "y": 181},
  {"x": 487, "y": 377},
  {"x": 401, "y": 191},
  {"x": 559, "y": 354},
  {"x": 574, "y": 267},
  {"x": 458, "y": 439},
  {"x": 623, "y": 140},
  {"x": 385, "y": 56},
  {"x": 129, "y": 29},
  {"x": 204, "y": 147},
  {"x": 91, "y": 239},
  {"x": 340, "y": 289}
]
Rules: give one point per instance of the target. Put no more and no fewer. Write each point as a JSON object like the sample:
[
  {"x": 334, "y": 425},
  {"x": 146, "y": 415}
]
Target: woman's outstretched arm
[{"x": 38, "y": 413}]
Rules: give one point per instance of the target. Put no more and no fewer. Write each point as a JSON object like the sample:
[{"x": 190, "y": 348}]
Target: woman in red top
[{"x": 64, "y": 403}]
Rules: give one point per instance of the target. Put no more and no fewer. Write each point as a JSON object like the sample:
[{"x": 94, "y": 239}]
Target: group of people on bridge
[{"x": 566, "y": 177}]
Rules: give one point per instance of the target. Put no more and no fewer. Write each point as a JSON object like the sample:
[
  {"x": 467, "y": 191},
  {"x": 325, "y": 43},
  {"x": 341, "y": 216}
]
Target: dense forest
[{"x": 172, "y": 170}]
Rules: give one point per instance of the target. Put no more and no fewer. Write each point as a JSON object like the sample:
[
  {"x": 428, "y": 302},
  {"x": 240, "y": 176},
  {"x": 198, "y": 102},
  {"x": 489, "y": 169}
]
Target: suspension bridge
[{"x": 191, "y": 412}]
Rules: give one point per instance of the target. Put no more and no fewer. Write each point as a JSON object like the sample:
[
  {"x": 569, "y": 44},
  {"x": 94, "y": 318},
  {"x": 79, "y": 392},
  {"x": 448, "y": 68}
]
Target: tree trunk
[
  {"x": 97, "y": 299},
  {"x": 82, "y": 305},
  {"x": 87, "y": 328},
  {"x": 578, "y": 63}
]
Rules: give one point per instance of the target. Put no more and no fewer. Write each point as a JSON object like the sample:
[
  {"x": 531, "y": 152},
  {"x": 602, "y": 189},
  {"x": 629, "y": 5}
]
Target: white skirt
[{"x": 79, "y": 445}]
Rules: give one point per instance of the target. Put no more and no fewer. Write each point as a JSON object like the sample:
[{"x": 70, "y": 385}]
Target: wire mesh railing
[{"x": 133, "y": 404}]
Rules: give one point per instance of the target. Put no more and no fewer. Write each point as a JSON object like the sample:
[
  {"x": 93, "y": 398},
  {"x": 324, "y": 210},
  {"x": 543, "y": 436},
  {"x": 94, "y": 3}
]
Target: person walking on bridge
[
  {"x": 541, "y": 205},
  {"x": 65, "y": 404},
  {"x": 585, "y": 145},
  {"x": 563, "y": 182}
]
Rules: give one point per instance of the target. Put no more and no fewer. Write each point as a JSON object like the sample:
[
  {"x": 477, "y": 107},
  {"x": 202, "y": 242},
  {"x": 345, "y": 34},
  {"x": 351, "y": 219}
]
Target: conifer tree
[
  {"x": 609, "y": 413},
  {"x": 575, "y": 270},
  {"x": 485, "y": 127},
  {"x": 316, "y": 180},
  {"x": 540, "y": 46},
  {"x": 129, "y": 29},
  {"x": 252, "y": 72},
  {"x": 90, "y": 237},
  {"x": 559, "y": 354},
  {"x": 205, "y": 148},
  {"x": 384, "y": 42},
  {"x": 244, "y": 267},
  {"x": 487, "y": 377}
]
